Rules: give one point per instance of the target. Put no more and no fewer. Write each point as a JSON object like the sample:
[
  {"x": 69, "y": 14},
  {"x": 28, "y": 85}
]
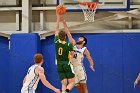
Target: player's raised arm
[
  {"x": 71, "y": 50},
  {"x": 57, "y": 24},
  {"x": 71, "y": 40},
  {"x": 137, "y": 80},
  {"x": 87, "y": 54},
  {"x": 44, "y": 81}
]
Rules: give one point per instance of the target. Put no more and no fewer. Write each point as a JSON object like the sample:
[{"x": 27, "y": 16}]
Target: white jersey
[
  {"x": 32, "y": 79},
  {"x": 80, "y": 74},
  {"x": 78, "y": 56}
]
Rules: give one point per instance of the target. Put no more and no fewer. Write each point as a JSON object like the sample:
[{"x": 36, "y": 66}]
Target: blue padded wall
[
  {"x": 131, "y": 61},
  {"x": 4, "y": 65},
  {"x": 112, "y": 67},
  {"x": 23, "y": 48},
  {"x": 116, "y": 59}
]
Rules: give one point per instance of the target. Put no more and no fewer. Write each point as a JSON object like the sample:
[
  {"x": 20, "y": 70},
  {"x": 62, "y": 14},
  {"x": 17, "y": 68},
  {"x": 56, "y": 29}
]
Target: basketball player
[
  {"x": 62, "y": 57},
  {"x": 79, "y": 52},
  {"x": 34, "y": 74},
  {"x": 137, "y": 80}
]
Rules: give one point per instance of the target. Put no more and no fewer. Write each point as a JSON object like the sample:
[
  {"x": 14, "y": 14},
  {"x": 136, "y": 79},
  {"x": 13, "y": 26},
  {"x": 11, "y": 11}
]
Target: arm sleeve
[
  {"x": 70, "y": 47},
  {"x": 56, "y": 38}
]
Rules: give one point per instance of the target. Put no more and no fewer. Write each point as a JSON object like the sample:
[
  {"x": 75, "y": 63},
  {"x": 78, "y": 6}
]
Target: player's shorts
[
  {"x": 64, "y": 70},
  {"x": 80, "y": 74},
  {"x": 27, "y": 90}
]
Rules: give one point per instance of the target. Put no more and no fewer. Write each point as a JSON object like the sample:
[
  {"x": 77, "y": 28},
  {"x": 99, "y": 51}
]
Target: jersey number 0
[{"x": 60, "y": 51}]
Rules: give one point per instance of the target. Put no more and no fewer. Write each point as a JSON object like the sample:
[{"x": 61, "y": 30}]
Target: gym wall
[{"x": 116, "y": 58}]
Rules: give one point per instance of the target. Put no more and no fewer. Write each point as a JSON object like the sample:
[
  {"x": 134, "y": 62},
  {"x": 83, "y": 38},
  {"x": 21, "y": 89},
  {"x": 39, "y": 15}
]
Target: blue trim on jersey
[
  {"x": 30, "y": 91},
  {"x": 32, "y": 83},
  {"x": 34, "y": 70}
]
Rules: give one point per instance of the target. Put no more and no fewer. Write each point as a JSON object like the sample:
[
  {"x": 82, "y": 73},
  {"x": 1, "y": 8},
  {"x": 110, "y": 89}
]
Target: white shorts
[
  {"x": 80, "y": 74},
  {"x": 27, "y": 91}
]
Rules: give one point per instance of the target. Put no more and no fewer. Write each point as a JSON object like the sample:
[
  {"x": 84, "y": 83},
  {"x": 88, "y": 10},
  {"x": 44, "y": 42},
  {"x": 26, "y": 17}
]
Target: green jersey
[{"x": 62, "y": 49}]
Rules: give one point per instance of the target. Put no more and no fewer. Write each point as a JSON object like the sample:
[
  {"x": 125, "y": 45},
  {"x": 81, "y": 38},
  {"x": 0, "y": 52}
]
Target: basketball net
[{"x": 89, "y": 10}]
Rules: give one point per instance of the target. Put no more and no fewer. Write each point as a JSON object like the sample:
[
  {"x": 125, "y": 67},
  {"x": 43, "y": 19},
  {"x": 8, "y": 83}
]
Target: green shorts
[{"x": 64, "y": 70}]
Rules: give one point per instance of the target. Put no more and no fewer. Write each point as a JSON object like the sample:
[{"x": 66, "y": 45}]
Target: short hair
[
  {"x": 85, "y": 39},
  {"x": 38, "y": 58},
  {"x": 62, "y": 35}
]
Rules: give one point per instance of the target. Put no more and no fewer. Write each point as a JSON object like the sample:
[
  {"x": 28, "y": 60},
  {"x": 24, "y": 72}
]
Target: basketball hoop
[{"x": 89, "y": 10}]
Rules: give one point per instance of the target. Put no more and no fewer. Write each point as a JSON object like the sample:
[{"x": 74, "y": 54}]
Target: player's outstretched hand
[
  {"x": 135, "y": 83},
  {"x": 57, "y": 91},
  {"x": 92, "y": 68}
]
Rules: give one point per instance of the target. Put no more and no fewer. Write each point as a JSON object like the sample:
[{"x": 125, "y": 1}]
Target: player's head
[
  {"x": 82, "y": 41},
  {"x": 62, "y": 35},
  {"x": 38, "y": 58}
]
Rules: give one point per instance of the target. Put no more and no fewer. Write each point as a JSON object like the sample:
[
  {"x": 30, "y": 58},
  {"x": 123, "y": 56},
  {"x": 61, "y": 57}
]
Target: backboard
[{"x": 104, "y": 5}]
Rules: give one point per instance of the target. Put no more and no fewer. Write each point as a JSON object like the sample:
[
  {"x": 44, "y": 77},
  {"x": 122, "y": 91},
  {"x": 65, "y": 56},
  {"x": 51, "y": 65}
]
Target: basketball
[{"x": 61, "y": 9}]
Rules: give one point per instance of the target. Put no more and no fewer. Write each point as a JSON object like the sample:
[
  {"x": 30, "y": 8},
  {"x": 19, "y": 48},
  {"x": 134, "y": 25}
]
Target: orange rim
[{"x": 91, "y": 5}]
